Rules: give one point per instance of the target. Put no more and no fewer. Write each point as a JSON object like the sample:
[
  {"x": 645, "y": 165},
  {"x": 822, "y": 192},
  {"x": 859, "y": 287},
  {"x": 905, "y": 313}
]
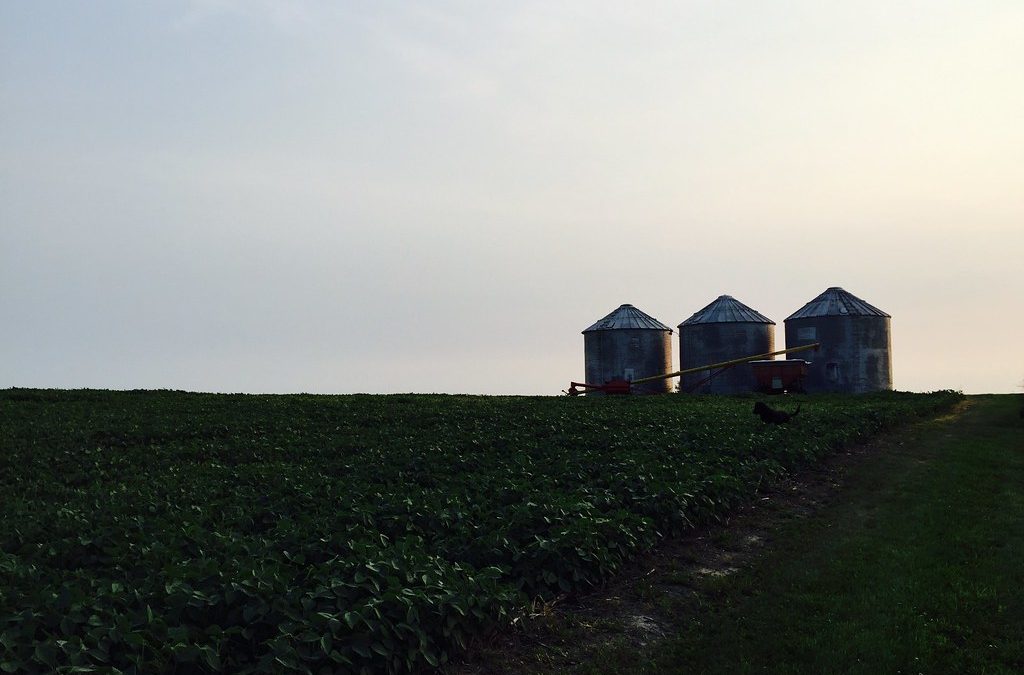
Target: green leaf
[
  {"x": 212, "y": 657},
  {"x": 135, "y": 639}
]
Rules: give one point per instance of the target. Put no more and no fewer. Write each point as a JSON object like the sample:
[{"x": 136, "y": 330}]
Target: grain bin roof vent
[
  {"x": 836, "y": 302},
  {"x": 727, "y": 309},
  {"x": 628, "y": 317}
]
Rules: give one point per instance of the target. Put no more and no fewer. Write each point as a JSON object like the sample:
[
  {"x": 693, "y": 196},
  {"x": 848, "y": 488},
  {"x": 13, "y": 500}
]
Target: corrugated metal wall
[
  {"x": 629, "y": 354},
  {"x": 703, "y": 344},
  {"x": 855, "y": 355}
]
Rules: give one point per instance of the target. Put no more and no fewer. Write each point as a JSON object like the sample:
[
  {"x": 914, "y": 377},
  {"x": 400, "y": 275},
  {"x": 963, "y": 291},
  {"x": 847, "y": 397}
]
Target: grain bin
[
  {"x": 628, "y": 345},
  {"x": 724, "y": 330},
  {"x": 856, "y": 343}
]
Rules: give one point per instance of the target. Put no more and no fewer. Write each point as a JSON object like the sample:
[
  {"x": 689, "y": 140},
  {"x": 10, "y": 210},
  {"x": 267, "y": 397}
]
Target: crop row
[{"x": 163, "y": 531}]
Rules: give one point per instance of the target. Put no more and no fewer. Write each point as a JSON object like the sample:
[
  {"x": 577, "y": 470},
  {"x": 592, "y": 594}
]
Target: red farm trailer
[{"x": 777, "y": 377}]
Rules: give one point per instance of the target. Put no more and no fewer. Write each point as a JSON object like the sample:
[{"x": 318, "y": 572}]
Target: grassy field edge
[{"x": 914, "y": 567}]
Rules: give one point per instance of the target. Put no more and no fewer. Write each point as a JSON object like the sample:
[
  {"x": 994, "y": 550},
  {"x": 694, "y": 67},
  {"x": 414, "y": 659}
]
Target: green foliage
[{"x": 154, "y": 531}]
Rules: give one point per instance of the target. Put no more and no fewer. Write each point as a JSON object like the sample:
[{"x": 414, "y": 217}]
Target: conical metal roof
[
  {"x": 836, "y": 302},
  {"x": 727, "y": 309},
  {"x": 628, "y": 317}
]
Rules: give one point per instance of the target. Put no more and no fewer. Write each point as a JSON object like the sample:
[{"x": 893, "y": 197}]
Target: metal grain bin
[
  {"x": 856, "y": 344},
  {"x": 628, "y": 345},
  {"x": 724, "y": 330}
]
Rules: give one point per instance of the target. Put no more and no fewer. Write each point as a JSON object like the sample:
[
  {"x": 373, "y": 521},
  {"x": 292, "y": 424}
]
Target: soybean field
[{"x": 160, "y": 531}]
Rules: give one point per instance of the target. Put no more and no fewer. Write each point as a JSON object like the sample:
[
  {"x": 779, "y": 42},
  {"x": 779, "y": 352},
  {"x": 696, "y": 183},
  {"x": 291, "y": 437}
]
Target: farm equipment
[
  {"x": 619, "y": 386},
  {"x": 777, "y": 377}
]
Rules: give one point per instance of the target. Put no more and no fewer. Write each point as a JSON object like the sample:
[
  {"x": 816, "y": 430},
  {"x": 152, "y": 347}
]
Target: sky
[{"x": 336, "y": 197}]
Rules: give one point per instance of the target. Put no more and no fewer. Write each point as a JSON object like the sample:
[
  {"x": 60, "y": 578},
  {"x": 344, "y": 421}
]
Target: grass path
[
  {"x": 903, "y": 556},
  {"x": 918, "y": 567}
]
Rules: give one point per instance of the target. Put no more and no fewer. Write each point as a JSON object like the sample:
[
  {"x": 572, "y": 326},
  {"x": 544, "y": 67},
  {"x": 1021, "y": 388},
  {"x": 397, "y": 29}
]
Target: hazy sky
[{"x": 249, "y": 195}]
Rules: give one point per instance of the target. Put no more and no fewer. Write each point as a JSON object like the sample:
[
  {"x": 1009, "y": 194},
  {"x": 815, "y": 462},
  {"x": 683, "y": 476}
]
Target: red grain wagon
[{"x": 776, "y": 377}]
